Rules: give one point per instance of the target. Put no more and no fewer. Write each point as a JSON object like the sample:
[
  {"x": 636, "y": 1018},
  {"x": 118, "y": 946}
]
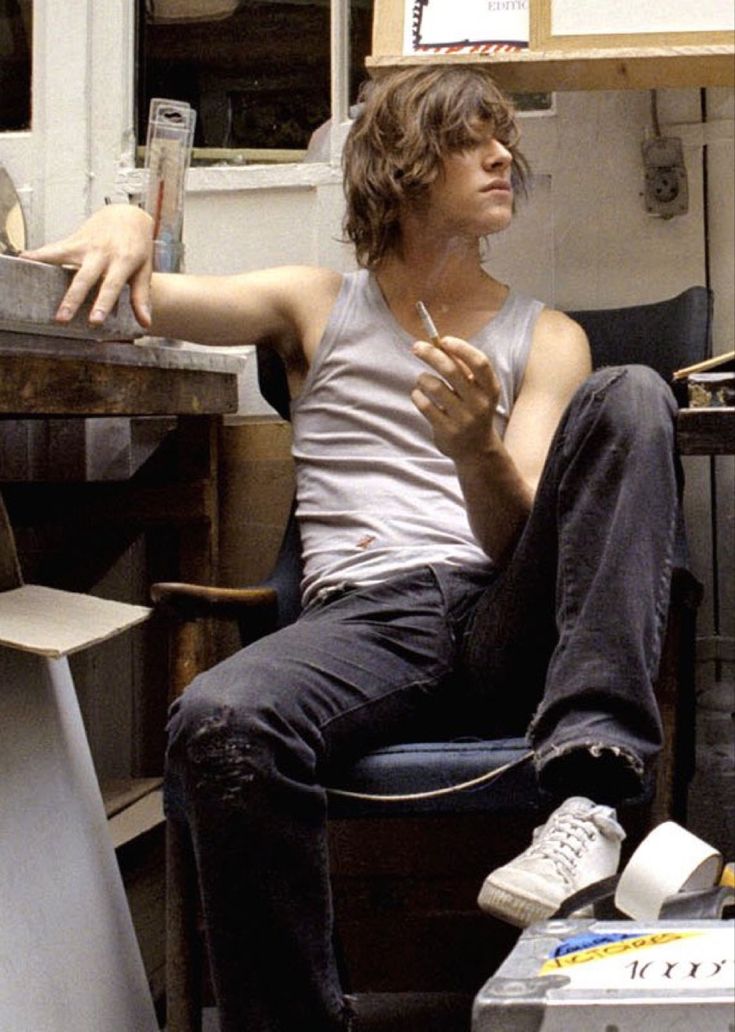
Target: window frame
[
  {"x": 65, "y": 164},
  {"x": 275, "y": 175}
]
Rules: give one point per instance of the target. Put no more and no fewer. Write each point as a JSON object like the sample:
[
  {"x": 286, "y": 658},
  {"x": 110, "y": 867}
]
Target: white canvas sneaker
[{"x": 578, "y": 845}]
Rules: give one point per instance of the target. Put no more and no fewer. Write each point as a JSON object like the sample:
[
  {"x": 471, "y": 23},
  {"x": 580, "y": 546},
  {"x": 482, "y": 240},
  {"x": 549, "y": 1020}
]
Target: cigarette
[{"x": 431, "y": 331}]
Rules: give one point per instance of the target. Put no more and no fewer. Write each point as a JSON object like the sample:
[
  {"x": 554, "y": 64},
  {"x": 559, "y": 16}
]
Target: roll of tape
[
  {"x": 706, "y": 903},
  {"x": 669, "y": 860}
]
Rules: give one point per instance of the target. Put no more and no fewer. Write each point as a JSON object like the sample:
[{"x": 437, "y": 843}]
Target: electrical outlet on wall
[{"x": 666, "y": 191}]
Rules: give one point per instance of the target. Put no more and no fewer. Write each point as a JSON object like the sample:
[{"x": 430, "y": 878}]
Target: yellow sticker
[{"x": 583, "y": 950}]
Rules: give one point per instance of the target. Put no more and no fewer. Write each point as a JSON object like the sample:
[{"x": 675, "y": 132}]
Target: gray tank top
[{"x": 374, "y": 495}]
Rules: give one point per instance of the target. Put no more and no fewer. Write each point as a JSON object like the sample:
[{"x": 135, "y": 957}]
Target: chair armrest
[
  {"x": 199, "y": 601},
  {"x": 190, "y": 608}
]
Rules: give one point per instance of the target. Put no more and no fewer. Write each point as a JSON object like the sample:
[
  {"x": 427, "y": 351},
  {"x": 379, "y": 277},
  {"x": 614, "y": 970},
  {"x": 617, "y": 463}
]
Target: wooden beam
[
  {"x": 623, "y": 68},
  {"x": 126, "y": 503}
]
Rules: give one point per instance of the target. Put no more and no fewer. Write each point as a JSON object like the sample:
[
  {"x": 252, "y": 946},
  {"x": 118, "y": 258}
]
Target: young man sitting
[{"x": 487, "y": 531}]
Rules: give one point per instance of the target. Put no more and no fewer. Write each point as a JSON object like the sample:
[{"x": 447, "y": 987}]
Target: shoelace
[{"x": 564, "y": 842}]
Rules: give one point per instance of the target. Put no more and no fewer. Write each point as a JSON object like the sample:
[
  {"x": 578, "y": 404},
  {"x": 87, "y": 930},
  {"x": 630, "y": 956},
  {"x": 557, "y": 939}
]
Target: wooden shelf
[
  {"x": 133, "y": 806},
  {"x": 631, "y": 68}
]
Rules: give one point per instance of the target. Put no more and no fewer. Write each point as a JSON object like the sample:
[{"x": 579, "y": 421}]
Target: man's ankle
[{"x": 604, "y": 774}]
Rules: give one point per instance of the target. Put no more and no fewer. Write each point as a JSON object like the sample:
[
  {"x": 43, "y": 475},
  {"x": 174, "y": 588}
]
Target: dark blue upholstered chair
[{"x": 401, "y": 868}]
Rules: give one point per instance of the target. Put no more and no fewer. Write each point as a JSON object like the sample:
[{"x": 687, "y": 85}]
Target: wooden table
[
  {"x": 706, "y": 431},
  {"x": 173, "y": 498},
  {"x": 56, "y": 377},
  {"x": 53, "y": 376}
]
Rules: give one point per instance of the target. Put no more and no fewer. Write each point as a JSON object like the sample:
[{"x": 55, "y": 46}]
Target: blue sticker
[{"x": 586, "y": 941}]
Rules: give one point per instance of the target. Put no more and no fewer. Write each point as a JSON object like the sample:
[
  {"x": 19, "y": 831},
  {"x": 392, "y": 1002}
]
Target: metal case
[{"x": 614, "y": 976}]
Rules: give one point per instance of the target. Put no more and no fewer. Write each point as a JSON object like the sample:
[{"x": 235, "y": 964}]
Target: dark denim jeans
[{"x": 567, "y": 637}]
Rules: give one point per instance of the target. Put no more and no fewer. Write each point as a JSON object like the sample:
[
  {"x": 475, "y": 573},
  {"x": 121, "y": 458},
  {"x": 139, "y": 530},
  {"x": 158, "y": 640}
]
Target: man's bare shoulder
[
  {"x": 559, "y": 359},
  {"x": 557, "y": 327},
  {"x": 560, "y": 341}
]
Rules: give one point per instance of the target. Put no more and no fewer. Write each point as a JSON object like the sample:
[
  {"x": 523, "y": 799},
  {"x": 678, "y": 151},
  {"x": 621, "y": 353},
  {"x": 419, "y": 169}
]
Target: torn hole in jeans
[{"x": 220, "y": 760}]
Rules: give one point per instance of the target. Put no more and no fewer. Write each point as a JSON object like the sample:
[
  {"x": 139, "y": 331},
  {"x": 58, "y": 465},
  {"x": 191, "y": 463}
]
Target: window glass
[
  {"x": 533, "y": 101},
  {"x": 257, "y": 71},
  {"x": 15, "y": 64}
]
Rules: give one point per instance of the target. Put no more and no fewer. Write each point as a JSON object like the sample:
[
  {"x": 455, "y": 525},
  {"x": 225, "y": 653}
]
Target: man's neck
[{"x": 449, "y": 279}]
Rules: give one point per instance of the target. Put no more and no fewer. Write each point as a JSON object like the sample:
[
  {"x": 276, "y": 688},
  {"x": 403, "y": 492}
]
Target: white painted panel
[
  {"x": 721, "y": 162},
  {"x": 609, "y": 251},
  {"x": 332, "y": 251},
  {"x": 68, "y": 954},
  {"x": 593, "y": 17},
  {"x": 111, "y": 29},
  {"x": 237, "y": 231},
  {"x": 60, "y": 121}
]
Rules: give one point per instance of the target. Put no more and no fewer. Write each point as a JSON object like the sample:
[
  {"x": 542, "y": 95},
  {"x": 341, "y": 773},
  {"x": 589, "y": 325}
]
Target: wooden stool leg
[
  {"x": 189, "y": 653},
  {"x": 183, "y": 941}
]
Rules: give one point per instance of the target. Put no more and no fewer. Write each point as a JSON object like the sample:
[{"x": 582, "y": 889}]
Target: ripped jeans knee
[
  {"x": 212, "y": 750},
  {"x": 233, "y": 755},
  {"x": 208, "y": 755},
  {"x": 218, "y": 758}
]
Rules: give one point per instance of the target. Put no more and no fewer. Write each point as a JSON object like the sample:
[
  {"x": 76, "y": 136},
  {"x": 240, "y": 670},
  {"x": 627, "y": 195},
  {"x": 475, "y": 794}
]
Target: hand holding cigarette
[
  {"x": 458, "y": 394},
  {"x": 432, "y": 335}
]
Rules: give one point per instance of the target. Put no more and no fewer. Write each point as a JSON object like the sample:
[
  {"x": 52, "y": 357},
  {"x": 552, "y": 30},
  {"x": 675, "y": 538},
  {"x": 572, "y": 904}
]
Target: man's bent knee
[
  {"x": 234, "y": 749},
  {"x": 632, "y": 399}
]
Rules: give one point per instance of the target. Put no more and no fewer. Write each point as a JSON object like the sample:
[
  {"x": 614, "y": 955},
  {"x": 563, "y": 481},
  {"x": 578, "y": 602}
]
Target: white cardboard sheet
[{"x": 56, "y": 623}]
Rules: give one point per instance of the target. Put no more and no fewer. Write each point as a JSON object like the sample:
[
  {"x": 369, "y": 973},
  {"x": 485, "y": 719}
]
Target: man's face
[{"x": 473, "y": 193}]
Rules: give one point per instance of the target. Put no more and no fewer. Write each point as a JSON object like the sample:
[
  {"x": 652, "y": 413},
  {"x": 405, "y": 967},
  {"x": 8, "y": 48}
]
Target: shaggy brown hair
[{"x": 409, "y": 120}]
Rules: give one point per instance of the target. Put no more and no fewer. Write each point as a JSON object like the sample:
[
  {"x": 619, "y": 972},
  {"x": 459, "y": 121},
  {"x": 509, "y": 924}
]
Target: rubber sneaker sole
[{"x": 509, "y": 906}]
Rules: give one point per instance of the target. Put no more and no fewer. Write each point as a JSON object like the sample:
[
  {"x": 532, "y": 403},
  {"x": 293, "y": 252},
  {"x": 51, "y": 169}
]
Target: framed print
[
  {"x": 598, "y": 24},
  {"x": 428, "y": 27}
]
